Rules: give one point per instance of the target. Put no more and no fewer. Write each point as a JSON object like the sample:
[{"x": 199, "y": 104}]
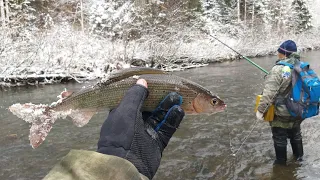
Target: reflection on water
[{"x": 202, "y": 148}]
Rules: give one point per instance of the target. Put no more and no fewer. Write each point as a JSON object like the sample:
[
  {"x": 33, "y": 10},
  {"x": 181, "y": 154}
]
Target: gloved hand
[
  {"x": 259, "y": 115},
  {"x": 141, "y": 139}
]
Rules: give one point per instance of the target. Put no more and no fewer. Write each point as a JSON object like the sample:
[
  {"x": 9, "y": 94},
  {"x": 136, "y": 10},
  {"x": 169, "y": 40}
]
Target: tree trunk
[
  {"x": 81, "y": 6},
  {"x": 238, "y": 7},
  {"x": 253, "y": 12},
  {"x": 2, "y": 15},
  {"x": 280, "y": 17},
  {"x": 245, "y": 11},
  {"x": 7, "y": 11}
]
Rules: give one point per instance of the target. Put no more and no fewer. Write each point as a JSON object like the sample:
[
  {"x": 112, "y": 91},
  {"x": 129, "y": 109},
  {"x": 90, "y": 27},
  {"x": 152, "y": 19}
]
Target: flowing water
[{"x": 204, "y": 147}]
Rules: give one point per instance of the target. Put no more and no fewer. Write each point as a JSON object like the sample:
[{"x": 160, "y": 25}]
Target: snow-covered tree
[
  {"x": 218, "y": 10},
  {"x": 108, "y": 17},
  {"x": 301, "y": 19},
  {"x": 131, "y": 20},
  {"x": 273, "y": 14}
]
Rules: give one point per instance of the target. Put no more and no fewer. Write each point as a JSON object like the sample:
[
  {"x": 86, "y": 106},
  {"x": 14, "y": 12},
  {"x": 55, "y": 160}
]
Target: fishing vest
[{"x": 302, "y": 99}]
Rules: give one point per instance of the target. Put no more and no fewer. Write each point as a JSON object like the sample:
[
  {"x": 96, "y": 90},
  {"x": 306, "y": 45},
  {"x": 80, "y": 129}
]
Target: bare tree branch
[{"x": 2, "y": 14}]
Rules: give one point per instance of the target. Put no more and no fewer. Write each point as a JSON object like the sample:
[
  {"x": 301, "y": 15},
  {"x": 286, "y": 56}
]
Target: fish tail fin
[
  {"x": 39, "y": 132},
  {"x": 41, "y": 117}
]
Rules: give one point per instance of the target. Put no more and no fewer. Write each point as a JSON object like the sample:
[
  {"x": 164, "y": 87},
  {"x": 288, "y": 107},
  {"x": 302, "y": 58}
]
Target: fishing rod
[
  {"x": 256, "y": 65},
  {"x": 250, "y": 61}
]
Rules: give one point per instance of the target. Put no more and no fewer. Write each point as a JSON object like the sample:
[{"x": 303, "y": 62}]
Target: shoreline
[
  {"x": 63, "y": 77},
  {"x": 63, "y": 55}
]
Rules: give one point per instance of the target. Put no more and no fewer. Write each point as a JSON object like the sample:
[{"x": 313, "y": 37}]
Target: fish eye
[{"x": 214, "y": 101}]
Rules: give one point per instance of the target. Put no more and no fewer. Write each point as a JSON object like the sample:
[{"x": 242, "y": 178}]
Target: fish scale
[{"x": 109, "y": 96}]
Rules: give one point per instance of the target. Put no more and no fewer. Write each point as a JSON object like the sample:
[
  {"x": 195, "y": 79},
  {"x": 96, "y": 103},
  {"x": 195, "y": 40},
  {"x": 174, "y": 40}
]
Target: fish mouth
[{"x": 222, "y": 108}]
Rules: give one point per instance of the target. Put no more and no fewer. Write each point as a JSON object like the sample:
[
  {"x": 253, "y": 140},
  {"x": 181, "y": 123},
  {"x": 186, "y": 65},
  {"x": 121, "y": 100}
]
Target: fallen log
[{"x": 21, "y": 80}]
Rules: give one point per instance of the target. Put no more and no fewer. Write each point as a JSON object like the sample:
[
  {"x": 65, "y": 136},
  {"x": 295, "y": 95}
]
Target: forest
[{"x": 88, "y": 39}]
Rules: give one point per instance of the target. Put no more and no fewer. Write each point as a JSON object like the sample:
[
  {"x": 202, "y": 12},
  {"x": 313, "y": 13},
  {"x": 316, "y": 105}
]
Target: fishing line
[
  {"x": 250, "y": 61},
  {"x": 229, "y": 132},
  {"x": 255, "y": 123},
  {"x": 254, "y": 126},
  {"x": 233, "y": 153},
  {"x": 256, "y": 65},
  {"x": 219, "y": 169}
]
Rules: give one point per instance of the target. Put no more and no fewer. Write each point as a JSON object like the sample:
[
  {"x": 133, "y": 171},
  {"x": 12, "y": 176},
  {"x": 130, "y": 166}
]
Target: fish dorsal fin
[{"x": 125, "y": 73}]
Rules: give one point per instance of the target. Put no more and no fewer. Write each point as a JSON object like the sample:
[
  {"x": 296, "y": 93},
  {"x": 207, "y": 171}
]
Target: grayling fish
[{"x": 82, "y": 105}]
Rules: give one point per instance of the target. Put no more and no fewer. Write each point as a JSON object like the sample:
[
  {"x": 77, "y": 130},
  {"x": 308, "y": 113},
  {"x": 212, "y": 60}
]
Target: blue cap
[{"x": 287, "y": 48}]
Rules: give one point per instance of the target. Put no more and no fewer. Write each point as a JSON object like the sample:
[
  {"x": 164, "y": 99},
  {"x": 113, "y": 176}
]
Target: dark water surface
[{"x": 205, "y": 147}]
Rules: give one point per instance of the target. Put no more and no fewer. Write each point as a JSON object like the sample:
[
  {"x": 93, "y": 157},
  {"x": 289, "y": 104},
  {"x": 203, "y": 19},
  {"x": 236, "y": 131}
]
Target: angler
[{"x": 294, "y": 89}]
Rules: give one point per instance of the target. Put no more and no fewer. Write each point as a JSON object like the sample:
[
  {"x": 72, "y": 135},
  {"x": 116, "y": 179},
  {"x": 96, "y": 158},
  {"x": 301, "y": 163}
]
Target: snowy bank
[
  {"x": 65, "y": 40},
  {"x": 62, "y": 54}
]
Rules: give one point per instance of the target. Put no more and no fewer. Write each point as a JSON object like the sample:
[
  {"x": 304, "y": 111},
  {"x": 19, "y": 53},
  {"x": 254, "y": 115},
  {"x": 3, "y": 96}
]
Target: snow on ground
[{"x": 67, "y": 52}]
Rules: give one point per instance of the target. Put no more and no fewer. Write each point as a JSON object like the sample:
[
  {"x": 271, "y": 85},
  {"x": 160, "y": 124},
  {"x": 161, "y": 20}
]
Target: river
[{"x": 204, "y": 147}]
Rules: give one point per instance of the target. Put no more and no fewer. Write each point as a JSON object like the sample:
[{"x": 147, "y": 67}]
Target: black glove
[{"x": 141, "y": 139}]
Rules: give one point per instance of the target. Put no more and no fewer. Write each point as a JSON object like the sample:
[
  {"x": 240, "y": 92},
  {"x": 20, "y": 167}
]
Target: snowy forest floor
[{"x": 62, "y": 54}]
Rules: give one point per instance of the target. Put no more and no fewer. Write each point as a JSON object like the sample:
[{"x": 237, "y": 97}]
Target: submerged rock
[
  {"x": 138, "y": 62},
  {"x": 12, "y": 136}
]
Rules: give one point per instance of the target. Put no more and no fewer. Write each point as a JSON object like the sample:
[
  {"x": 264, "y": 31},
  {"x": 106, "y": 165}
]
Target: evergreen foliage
[
  {"x": 119, "y": 19},
  {"x": 301, "y": 18}
]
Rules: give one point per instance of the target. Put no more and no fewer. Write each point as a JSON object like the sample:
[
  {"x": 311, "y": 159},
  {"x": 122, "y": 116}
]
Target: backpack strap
[
  {"x": 288, "y": 88},
  {"x": 285, "y": 64},
  {"x": 304, "y": 65}
]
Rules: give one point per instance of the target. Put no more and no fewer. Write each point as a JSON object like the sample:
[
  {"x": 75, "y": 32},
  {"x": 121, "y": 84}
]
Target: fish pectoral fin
[
  {"x": 66, "y": 94},
  {"x": 82, "y": 117}
]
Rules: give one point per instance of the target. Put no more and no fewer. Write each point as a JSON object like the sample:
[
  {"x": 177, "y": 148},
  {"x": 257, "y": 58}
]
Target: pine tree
[
  {"x": 274, "y": 14},
  {"x": 301, "y": 20},
  {"x": 218, "y": 10}
]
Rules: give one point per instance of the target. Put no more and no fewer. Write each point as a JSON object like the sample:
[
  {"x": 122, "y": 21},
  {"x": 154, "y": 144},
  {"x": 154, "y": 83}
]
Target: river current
[{"x": 204, "y": 147}]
